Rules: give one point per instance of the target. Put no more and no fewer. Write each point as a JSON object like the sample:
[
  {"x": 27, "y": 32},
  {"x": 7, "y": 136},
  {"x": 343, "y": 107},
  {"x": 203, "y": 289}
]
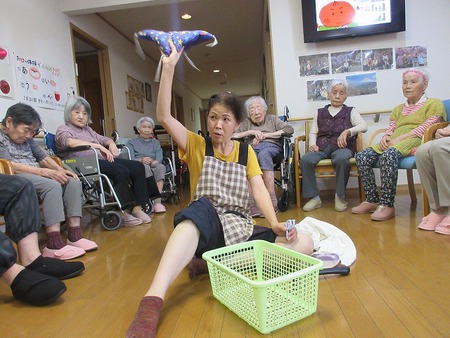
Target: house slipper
[
  {"x": 443, "y": 228},
  {"x": 431, "y": 221}
]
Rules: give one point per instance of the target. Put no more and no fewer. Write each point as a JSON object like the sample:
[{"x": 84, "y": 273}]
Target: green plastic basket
[{"x": 265, "y": 284}]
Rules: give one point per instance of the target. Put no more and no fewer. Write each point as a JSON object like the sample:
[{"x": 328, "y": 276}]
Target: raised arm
[{"x": 175, "y": 129}]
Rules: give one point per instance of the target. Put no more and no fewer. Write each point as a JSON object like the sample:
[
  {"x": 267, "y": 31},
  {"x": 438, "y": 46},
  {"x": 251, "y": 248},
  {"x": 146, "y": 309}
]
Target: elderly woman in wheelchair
[
  {"x": 264, "y": 132},
  {"x": 59, "y": 189},
  {"x": 76, "y": 132},
  {"x": 147, "y": 150}
]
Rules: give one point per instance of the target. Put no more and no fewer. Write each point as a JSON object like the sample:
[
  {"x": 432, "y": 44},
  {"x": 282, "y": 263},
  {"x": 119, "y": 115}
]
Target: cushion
[{"x": 180, "y": 39}]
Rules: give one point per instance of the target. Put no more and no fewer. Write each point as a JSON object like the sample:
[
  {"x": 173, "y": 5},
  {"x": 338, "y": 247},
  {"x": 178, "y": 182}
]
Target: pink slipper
[
  {"x": 142, "y": 216},
  {"x": 443, "y": 228},
  {"x": 431, "y": 221},
  {"x": 159, "y": 208},
  {"x": 66, "y": 252},
  {"x": 85, "y": 244},
  {"x": 130, "y": 221}
]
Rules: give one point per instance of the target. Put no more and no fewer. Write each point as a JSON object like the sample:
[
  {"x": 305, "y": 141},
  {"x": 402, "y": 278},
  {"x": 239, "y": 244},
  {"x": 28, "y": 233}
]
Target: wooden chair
[
  {"x": 428, "y": 136},
  {"x": 324, "y": 168},
  {"x": 6, "y": 167}
]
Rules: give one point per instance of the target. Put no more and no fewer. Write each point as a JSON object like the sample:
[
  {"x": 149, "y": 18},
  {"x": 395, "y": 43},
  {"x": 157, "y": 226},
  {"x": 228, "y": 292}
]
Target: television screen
[{"x": 327, "y": 20}]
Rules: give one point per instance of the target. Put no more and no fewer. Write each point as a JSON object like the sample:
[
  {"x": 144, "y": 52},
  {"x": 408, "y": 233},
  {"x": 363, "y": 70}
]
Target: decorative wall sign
[
  {"x": 134, "y": 102},
  {"x": 135, "y": 86},
  {"x": 39, "y": 83}
]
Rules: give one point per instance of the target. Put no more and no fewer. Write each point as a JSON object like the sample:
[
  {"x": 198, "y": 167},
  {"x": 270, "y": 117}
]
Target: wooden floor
[{"x": 398, "y": 286}]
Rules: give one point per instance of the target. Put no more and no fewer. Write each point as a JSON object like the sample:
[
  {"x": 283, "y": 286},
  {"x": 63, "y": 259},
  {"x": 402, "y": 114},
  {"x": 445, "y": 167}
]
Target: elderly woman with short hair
[
  {"x": 147, "y": 150},
  {"x": 59, "y": 189},
  {"x": 76, "y": 132},
  {"x": 407, "y": 124},
  {"x": 264, "y": 132}
]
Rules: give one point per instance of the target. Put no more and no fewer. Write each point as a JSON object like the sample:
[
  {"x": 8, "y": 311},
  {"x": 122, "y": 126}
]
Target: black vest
[{"x": 330, "y": 127}]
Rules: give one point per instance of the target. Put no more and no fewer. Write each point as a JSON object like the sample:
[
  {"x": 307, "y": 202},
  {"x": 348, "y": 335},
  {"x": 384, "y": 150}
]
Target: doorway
[{"x": 94, "y": 80}]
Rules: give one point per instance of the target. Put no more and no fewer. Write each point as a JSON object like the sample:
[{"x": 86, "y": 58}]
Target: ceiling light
[
  {"x": 216, "y": 71},
  {"x": 186, "y": 16}
]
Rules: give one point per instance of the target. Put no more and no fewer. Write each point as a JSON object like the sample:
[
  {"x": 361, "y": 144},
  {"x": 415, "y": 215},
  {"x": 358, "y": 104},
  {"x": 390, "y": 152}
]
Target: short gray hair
[
  {"x": 336, "y": 82},
  {"x": 74, "y": 102},
  {"x": 254, "y": 99},
  {"x": 145, "y": 119}
]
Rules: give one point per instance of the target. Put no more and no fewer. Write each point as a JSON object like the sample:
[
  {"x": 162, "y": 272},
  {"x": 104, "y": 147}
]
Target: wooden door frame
[{"x": 105, "y": 77}]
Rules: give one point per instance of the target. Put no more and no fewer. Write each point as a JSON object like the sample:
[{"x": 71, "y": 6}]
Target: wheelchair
[
  {"x": 169, "y": 190},
  {"x": 100, "y": 197},
  {"x": 284, "y": 165}
]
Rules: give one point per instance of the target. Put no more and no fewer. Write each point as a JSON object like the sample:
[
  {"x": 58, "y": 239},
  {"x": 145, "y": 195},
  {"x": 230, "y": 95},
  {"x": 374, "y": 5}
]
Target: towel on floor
[{"x": 328, "y": 238}]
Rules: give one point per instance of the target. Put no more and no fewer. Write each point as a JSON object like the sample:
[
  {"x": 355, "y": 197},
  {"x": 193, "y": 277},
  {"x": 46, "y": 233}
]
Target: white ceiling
[{"x": 237, "y": 24}]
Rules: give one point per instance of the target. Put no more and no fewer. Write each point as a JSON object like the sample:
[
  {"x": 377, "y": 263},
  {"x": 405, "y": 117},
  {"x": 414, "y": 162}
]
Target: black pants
[
  {"x": 20, "y": 207},
  {"x": 203, "y": 214},
  {"x": 128, "y": 171}
]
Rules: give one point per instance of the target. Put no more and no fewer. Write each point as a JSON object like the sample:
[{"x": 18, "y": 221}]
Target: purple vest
[{"x": 330, "y": 127}]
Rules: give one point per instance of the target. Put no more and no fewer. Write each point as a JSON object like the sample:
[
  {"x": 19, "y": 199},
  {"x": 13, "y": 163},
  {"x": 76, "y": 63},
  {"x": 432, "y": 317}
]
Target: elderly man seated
[{"x": 264, "y": 133}]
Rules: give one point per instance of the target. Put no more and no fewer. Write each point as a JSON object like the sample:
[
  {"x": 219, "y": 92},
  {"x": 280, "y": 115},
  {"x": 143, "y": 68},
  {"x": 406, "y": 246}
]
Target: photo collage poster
[{"x": 364, "y": 62}]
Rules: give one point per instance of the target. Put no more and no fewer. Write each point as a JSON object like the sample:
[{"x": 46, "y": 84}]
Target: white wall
[
  {"x": 125, "y": 61},
  {"x": 47, "y": 37},
  {"x": 427, "y": 25}
]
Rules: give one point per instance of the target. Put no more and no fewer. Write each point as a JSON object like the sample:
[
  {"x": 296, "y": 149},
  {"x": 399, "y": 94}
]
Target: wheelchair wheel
[
  {"x": 283, "y": 201},
  {"x": 112, "y": 220}
]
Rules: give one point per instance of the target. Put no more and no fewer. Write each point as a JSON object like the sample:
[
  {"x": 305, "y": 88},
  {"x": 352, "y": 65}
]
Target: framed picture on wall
[
  {"x": 148, "y": 92},
  {"x": 135, "y": 86}
]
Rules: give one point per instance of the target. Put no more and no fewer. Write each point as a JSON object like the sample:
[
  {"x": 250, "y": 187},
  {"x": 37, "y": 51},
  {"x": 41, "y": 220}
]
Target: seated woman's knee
[{"x": 74, "y": 184}]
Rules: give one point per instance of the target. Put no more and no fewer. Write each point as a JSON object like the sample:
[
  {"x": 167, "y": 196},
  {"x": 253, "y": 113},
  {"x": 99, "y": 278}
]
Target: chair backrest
[
  {"x": 447, "y": 108},
  {"x": 50, "y": 143}
]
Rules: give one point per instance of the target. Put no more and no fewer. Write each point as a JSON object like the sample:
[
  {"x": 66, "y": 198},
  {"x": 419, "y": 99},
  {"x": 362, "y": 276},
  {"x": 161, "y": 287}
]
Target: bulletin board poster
[{"x": 39, "y": 83}]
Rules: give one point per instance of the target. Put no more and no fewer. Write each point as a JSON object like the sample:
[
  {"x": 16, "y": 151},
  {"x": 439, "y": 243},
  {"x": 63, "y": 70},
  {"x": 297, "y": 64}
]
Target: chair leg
[
  {"x": 298, "y": 185},
  {"x": 425, "y": 204},
  {"x": 411, "y": 187},
  {"x": 297, "y": 179}
]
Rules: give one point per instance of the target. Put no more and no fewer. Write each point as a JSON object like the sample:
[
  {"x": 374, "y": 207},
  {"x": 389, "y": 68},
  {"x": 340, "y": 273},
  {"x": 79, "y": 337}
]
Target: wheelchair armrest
[
  {"x": 286, "y": 135},
  {"x": 73, "y": 150}
]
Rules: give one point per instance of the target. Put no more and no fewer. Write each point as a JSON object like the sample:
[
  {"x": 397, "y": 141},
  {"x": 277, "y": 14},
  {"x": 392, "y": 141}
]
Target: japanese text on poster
[{"x": 39, "y": 83}]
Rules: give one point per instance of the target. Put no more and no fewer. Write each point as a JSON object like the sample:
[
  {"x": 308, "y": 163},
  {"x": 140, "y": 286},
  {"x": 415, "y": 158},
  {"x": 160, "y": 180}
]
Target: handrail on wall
[{"x": 377, "y": 114}]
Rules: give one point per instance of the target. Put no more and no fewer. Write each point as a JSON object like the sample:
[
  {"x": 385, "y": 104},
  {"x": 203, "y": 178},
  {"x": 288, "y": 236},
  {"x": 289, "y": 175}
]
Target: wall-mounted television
[{"x": 328, "y": 19}]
